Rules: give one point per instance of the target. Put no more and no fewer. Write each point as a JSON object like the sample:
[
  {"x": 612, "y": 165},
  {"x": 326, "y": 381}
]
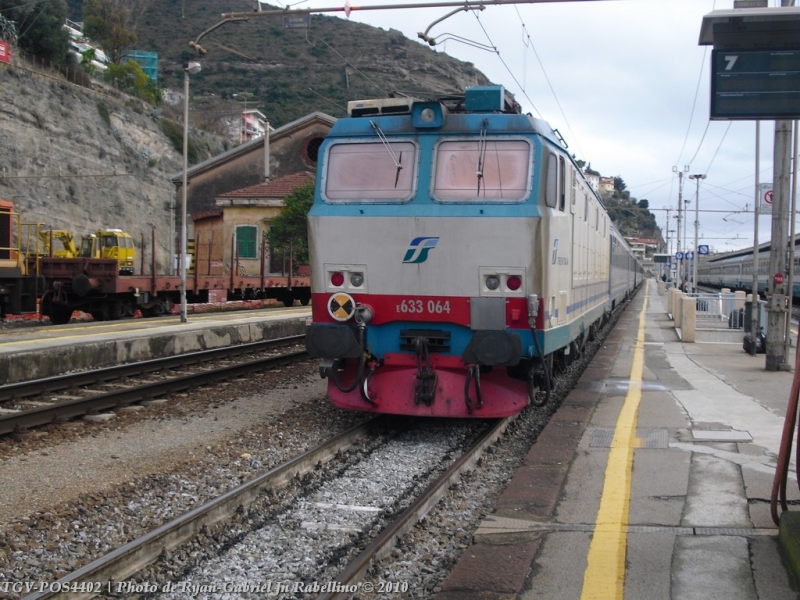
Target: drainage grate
[{"x": 657, "y": 439}]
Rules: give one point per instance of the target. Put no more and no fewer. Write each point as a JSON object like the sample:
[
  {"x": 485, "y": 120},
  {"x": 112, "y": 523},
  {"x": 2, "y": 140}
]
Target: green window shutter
[{"x": 246, "y": 246}]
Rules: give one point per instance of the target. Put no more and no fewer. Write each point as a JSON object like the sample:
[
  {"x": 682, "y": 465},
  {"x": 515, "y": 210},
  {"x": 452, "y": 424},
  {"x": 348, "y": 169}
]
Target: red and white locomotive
[{"x": 456, "y": 252}]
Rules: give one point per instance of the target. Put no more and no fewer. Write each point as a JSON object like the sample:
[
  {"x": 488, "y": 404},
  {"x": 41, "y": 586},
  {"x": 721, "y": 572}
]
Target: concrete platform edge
[
  {"x": 497, "y": 565},
  {"x": 36, "y": 364}
]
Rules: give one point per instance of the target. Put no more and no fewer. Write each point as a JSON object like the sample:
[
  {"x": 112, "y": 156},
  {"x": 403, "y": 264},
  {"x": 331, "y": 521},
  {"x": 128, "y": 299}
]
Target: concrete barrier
[
  {"x": 688, "y": 320},
  {"x": 671, "y": 301},
  {"x": 739, "y": 298}
]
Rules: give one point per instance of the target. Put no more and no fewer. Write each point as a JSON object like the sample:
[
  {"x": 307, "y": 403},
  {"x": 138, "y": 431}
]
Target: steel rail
[
  {"x": 137, "y": 554},
  {"x": 24, "y": 389},
  {"x": 388, "y": 538},
  {"x": 74, "y": 408}
]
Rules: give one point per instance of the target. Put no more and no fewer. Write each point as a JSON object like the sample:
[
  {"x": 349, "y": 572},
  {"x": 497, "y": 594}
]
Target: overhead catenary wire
[
  {"x": 691, "y": 115},
  {"x": 549, "y": 83}
]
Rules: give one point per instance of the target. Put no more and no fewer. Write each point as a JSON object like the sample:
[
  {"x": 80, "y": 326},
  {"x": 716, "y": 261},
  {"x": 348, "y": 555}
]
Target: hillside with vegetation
[
  {"x": 631, "y": 216},
  {"x": 283, "y": 72}
]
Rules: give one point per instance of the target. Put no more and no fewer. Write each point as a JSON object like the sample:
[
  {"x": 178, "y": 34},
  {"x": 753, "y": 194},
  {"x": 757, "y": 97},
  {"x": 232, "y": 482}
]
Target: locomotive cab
[{"x": 442, "y": 256}]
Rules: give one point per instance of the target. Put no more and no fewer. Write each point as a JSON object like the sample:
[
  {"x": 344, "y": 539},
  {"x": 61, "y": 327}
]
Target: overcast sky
[{"x": 627, "y": 85}]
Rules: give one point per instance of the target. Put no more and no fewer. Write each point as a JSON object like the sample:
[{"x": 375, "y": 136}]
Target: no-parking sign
[{"x": 765, "y": 204}]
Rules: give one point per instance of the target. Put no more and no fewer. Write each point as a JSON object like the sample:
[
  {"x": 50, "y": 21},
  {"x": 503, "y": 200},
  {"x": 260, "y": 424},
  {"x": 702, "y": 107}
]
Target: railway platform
[
  {"x": 39, "y": 352},
  {"x": 651, "y": 481}
]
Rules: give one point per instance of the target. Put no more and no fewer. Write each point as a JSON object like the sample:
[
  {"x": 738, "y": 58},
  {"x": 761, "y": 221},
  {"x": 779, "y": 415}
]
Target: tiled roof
[{"x": 277, "y": 188}]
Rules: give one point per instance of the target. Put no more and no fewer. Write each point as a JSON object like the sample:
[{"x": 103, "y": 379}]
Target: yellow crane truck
[{"x": 111, "y": 243}]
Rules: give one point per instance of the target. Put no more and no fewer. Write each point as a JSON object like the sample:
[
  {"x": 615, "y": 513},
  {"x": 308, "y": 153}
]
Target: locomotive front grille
[{"x": 438, "y": 340}]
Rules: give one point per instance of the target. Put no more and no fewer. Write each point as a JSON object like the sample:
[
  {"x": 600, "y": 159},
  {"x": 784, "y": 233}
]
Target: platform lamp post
[
  {"x": 188, "y": 69},
  {"x": 696, "y": 177}
]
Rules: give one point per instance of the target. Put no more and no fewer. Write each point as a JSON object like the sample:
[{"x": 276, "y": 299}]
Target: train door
[{"x": 559, "y": 227}]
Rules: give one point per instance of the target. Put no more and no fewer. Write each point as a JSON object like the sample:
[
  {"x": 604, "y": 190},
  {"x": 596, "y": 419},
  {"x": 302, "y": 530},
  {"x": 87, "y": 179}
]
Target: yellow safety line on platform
[{"x": 604, "y": 577}]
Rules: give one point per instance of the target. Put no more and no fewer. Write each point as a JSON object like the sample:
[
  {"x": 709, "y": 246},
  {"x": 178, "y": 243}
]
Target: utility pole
[
  {"x": 666, "y": 242},
  {"x": 778, "y": 302},
  {"x": 755, "y": 310},
  {"x": 680, "y": 205},
  {"x": 787, "y": 338},
  {"x": 696, "y": 259}
]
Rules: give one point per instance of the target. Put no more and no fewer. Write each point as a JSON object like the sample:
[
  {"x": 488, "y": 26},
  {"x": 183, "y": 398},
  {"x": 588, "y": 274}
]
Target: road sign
[
  {"x": 679, "y": 256},
  {"x": 702, "y": 250},
  {"x": 296, "y": 21},
  {"x": 765, "y": 203},
  {"x": 690, "y": 256}
]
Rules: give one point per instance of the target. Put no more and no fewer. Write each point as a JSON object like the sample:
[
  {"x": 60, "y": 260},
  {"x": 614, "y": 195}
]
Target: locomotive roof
[{"x": 492, "y": 99}]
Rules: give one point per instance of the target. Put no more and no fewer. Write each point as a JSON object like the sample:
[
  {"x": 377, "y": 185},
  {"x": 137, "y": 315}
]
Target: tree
[
  {"x": 130, "y": 78},
  {"x": 644, "y": 203},
  {"x": 619, "y": 185},
  {"x": 8, "y": 31},
  {"x": 39, "y": 27},
  {"x": 87, "y": 58},
  {"x": 105, "y": 22},
  {"x": 289, "y": 229}
]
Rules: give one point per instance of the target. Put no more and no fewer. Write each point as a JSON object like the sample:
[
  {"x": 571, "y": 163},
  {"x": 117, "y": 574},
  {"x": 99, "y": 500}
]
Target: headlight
[
  {"x": 356, "y": 279},
  {"x": 492, "y": 282}
]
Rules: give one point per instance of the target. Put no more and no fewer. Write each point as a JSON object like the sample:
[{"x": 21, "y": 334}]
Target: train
[
  {"x": 734, "y": 270},
  {"x": 458, "y": 256},
  {"x": 33, "y": 282}
]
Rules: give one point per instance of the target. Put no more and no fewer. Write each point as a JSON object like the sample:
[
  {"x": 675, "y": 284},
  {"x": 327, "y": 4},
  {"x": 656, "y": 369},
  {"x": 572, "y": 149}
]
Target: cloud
[{"x": 630, "y": 89}]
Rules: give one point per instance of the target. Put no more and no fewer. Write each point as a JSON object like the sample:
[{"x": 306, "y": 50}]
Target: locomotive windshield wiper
[
  {"x": 481, "y": 153},
  {"x": 397, "y": 163}
]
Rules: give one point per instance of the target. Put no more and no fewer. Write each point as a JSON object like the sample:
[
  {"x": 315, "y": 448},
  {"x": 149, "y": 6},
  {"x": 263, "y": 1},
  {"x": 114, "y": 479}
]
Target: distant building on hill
[
  {"x": 147, "y": 60},
  {"x": 593, "y": 179},
  {"x": 606, "y": 184}
]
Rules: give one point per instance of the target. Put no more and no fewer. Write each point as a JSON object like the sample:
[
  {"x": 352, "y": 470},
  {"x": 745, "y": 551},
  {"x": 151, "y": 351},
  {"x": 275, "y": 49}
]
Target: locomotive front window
[
  {"x": 482, "y": 171},
  {"x": 371, "y": 172}
]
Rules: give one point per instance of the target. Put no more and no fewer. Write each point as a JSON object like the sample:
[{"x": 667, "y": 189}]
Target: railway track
[
  {"x": 107, "y": 575},
  {"x": 132, "y": 383},
  {"x": 266, "y": 504},
  {"x": 387, "y": 539}
]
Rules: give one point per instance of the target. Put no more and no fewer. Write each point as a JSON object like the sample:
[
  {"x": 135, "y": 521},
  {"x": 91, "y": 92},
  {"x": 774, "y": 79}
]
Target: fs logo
[
  {"x": 555, "y": 250},
  {"x": 418, "y": 250}
]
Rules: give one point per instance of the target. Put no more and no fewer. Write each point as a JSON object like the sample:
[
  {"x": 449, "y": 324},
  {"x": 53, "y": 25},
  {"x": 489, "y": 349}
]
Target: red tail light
[
  {"x": 337, "y": 279},
  {"x": 514, "y": 282}
]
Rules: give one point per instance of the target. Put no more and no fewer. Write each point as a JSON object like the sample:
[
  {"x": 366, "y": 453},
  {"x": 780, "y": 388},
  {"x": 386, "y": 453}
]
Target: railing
[
  {"x": 714, "y": 317},
  {"x": 715, "y": 310}
]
